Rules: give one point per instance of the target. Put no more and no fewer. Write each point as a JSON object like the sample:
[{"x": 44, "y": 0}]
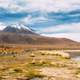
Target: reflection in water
[
  {"x": 76, "y": 58},
  {"x": 75, "y": 55},
  {"x": 36, "y": 79}
]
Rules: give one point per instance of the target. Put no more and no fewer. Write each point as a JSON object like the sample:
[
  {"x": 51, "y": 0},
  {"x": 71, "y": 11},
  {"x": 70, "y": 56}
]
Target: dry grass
[{"x": 31, "y": 63}]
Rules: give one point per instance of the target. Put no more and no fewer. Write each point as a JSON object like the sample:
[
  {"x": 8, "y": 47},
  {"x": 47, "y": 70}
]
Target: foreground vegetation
[{"x": 28, "y": 64}]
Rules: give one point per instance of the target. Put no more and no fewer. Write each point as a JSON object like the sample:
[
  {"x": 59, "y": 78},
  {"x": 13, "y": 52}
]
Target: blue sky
[{"x": 53, "y": 18}]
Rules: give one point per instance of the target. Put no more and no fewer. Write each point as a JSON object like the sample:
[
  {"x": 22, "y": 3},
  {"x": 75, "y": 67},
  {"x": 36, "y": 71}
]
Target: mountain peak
[
  {"x": 20, "y": 26},
  {"x": 17, "y": 26}
]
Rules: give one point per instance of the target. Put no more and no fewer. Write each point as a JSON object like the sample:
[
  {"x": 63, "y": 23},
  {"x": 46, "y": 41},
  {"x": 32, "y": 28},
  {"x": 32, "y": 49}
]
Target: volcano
[{"x": 22, "y": 34}]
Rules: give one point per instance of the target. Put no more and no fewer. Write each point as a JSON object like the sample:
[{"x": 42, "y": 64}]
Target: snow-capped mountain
[
  {"x": 16, "y": 28},
  {"x": 20, "y": 26},
  {"x": 21, "y": 34}
]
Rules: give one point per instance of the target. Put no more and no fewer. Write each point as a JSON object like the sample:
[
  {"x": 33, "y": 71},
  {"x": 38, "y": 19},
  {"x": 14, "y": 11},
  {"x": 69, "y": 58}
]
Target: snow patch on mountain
[
  {"x": 20, "y": 26},
  {"x": 2, "y": 26},
  {"x": 17, "y": 26}
]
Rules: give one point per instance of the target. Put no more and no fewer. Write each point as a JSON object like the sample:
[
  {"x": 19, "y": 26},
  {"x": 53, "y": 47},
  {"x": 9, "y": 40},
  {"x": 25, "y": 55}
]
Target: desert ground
[{"x": 25, "y": 63}]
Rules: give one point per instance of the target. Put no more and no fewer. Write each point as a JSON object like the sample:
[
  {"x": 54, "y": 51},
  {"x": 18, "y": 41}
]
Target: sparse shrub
[
  {"x": 40, "y": 63},
  {"x": 33, "y": 74},
  {"x": 42, "y": 53},
  {"x": 78, "y": 71},
  {"x": 17, "y": 70},
  {"x": 32, "y": 55},
  {"x": 1, "y": 78}
]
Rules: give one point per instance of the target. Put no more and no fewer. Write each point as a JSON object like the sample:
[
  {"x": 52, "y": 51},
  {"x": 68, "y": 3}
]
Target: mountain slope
[{"x": 8, "y": 37}]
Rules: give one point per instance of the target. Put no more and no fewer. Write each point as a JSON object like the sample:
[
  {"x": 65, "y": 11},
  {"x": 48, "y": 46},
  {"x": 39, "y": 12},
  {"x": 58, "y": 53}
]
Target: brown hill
[{"x": 16, "y": 38}]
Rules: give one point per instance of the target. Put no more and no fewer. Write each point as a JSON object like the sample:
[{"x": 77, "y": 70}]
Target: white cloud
[
  {"x": 56, "y": 31},
  {"x": 73, "y": 36},
  {"x": 10, "y": 5},
  {"x": 42, "y": 5},
  {"x": 74, "y": 28},
  {"x": 30, "y": 20},
  {"x": 53, "y": 5}
]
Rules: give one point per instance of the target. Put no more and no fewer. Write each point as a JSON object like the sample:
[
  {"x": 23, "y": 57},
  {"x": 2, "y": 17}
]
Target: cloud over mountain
[{"x": 49, "y": 17}]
